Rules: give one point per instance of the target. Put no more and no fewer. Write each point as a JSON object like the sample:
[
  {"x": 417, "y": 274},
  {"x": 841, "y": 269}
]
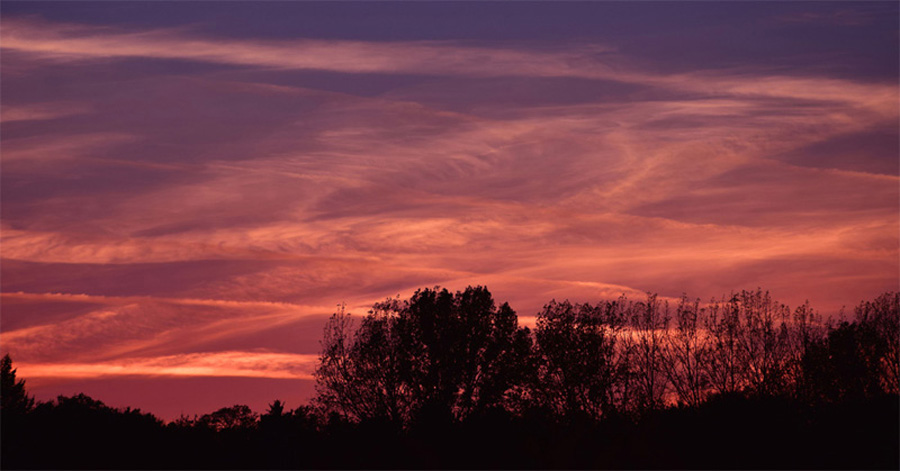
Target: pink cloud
[
  {"x": 42, "y": 111},
  {"x": 206, "y": 226},
  {"x": 72, "y": 42}
]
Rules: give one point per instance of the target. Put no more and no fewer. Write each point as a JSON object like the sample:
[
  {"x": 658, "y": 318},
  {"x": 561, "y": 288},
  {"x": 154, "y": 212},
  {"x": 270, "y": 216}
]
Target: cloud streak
[
  {"x": 180, "y": 205},
  {"x": 73, "y": 42},
  {"x": 218, "y": 364}
]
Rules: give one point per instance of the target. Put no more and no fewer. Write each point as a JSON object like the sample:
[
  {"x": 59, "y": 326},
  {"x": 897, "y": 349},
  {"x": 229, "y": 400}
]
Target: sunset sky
[{"x": 189, "y": 189}]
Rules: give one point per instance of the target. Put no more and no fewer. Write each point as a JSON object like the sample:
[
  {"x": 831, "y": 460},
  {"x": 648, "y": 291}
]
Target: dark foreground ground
[{"x": 724, "y": 433}]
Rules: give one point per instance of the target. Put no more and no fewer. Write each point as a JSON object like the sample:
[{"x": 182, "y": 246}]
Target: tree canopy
[
  {"x": 438, "y": 355},
  {"x": 444, "y": 356}
]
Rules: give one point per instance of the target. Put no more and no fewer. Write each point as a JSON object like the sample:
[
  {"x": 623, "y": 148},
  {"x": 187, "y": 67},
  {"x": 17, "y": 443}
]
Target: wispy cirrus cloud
[
  {"x": 121, "y": 327},
  {"x": 169, "y": 217},
  {"x": 73, "y": 42},
  {"x": 837, "y": 17},
  {"x": 41, "y": 111}
]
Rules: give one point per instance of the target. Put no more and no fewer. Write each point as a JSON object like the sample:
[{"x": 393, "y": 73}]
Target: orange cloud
[
  {"x": 209, "y": 215},
  {"x": 219, "y": 364}
]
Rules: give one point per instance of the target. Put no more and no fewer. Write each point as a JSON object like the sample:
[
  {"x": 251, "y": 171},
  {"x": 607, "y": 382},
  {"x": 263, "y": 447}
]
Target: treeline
[
  {"x": 451, "y": 380},
  {"x": 457, "y": 354}
]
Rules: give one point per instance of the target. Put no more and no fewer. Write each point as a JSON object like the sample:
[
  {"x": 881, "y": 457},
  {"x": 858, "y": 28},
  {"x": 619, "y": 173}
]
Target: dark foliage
[
  {"x": 436, "y": 357},
  {"x": 449, "y": 380},
  {"x": 13, "y": 399}
]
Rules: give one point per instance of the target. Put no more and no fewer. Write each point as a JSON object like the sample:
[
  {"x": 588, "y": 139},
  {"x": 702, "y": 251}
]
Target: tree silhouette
[
  {"x": 276, "y": 409},
  {"x": 359, "y": 372},
  {"x": 807, "y": 330},
  {"x": 856, "y": 360},
  {"x": 686, "y": 353},
  {"x": 13, "y": 399},
  {"x": 436, "y": 356},
  {"x": 750, "y": 344},
  {"x": 449, "y": 380},
  {"x": 879, "y": 323},
  {"x": 581, "y": 361},
  {"x": 645, "y": 343},
  {"x": 236, "y": 417}
]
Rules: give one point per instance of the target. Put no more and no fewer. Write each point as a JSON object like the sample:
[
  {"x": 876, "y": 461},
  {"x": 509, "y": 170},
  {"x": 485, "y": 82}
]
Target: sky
[{"x": 189, "y": 189}]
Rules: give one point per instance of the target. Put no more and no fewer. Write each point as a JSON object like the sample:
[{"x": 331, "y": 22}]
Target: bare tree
[
  {"x": 879, "y": 321},
  {"x": 645, "y": 343},
  {"x": 687, "y": 353},
  {"x": 764, "y": 341},
  {"x": 806, "y": 330},
  {"x": 723, "y": 367}
]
